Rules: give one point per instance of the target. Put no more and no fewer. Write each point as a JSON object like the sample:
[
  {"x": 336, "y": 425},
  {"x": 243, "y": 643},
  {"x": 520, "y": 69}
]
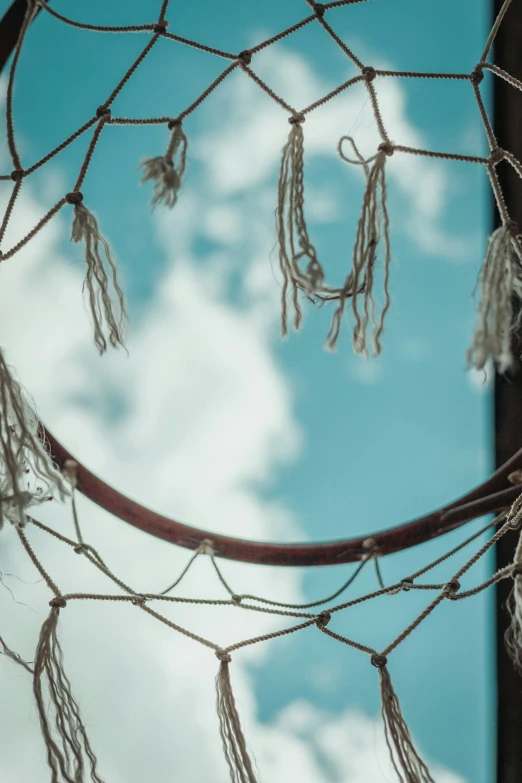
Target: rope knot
[
  {"x": 223, "y": 656},
  {"x": 245, "y": 57},
  {"x": 296, "y": 119},
  {"x": 161, "y": 27},
  {"x": 323, "y": 618},
  {"x": 319, "y": 9},
  {"x": 386, "y": 147},
  {"x": 17, "y": 175},
  {"x": 58, "y": 602},
  {"x": 516, "y": 570},
  {"x": 477, "y": 75},
  {"x": 174, "y": 124},
  {"x": 378, "y": 660},
  {"x": 80, "y": 549},
  {"x": 496, "y": 155},
  {"x": 369, "y": 73},
  {"x": 514, "y": 229},
  {"x": 371, "y": 548},
  {"x": 138, "y": 600},
  {"x": 452, "y": 587},
  {"x": 205, "y": 547},
  {"x": 406, "y": 584},
  {"x": 74, "y": 198},
  {"x": 236, "y": 599},
  {"x": 103, "y": 112}
]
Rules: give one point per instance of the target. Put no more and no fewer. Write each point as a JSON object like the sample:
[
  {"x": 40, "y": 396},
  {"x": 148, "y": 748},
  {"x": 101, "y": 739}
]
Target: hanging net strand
[
  {"x": 302, "y": 271},
  {"x": 69, "y": 752},
  {"x": 28, "y": 475}
]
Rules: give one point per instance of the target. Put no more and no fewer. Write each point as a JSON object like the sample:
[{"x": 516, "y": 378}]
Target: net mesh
[
  {"x": 69, "y": 753},
  {"x": 302, "y": 272}
]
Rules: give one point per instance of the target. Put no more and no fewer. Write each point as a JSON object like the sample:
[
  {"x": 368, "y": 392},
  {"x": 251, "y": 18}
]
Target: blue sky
[{"x": 212, "y": 418}]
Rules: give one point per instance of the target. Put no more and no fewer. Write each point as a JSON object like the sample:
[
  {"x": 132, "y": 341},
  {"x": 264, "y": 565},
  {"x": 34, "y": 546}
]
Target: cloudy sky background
[{"x": 214, "y": 420}]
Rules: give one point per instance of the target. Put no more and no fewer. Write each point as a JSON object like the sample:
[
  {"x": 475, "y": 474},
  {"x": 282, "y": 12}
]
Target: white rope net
[
  {"x": 69, "y": 753},
  {"x": 27, "y": 475}
]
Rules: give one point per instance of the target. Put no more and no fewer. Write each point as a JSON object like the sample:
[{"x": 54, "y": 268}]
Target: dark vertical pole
[{"x": 507, "y": 104}]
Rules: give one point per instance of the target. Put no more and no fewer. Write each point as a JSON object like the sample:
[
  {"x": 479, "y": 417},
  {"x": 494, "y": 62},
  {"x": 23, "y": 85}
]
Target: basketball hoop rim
[{"x": 494, "y": 495}]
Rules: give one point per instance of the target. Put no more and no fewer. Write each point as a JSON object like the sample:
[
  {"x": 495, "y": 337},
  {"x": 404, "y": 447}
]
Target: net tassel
[
  {"x": 513, "y": 637},
  {"x": 499, "y": 281},
  {"x": 166, "y": 171},
  {"x": 407, "y": 764},
  {"x": 107, "y": 316},
  {"x": 23, "y": 455},
  {"x": 65, "y": 754},
  {"x": 373, "y": 226},
  {"x": 292, "y": 233},
  {"x": 234, "y": 744}
]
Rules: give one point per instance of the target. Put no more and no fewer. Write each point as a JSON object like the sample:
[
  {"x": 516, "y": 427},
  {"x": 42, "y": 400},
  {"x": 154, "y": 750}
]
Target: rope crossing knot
[
  {"x": 160, "y": 27},
  {"x": 74, "y": 198},
  {"x": 80, "y": 549},
  {"x": 369, "y": 73},
  {"x": 477, "y": 75},
  {"x": 58, "y": 602},
  {"x": 387, "y": 148},
  {"x": 17, "y": 175},
  {"x": 138, "y": 600},
  {"x": 323, "y": 618},
  {"x": 406, "y": 584},
  {"x": 103, "y": 112},
  {"x": 496, "y": 155},
  {"x": 378, "y": 660},
  {"x": 296, "y": 119},
  {"x": 319, "y": 9},
  {"x": 174, "y": 124},
  {"x": 452, "y": 587},
  {"x": 514, "y": 229},
  {"x": 223, "y": 656},
  {"x": 245, "y": 57}
]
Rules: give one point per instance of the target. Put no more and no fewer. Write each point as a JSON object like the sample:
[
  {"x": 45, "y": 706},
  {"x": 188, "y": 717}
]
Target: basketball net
[{"x": 29, "y": 477}]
